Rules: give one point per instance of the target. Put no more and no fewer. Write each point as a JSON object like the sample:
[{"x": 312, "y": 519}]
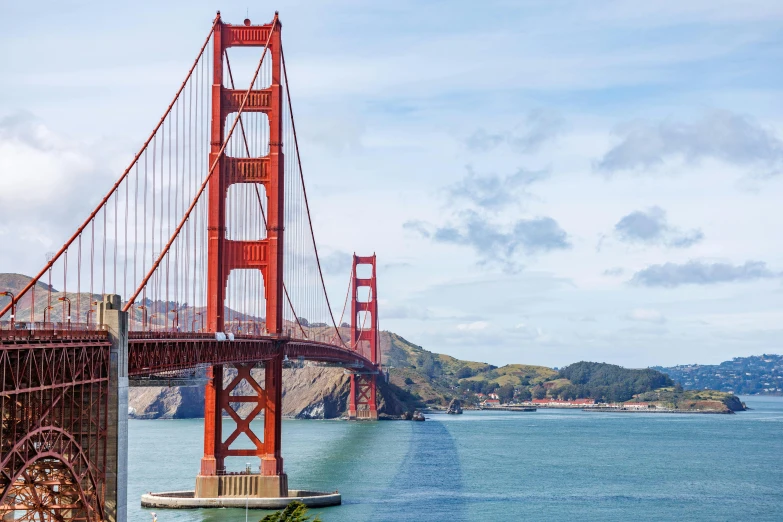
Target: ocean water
[{"x": 503, "y": 466}]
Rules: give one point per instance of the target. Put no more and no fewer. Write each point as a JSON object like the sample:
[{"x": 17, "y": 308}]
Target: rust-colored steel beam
[
  {"x": 53, "y": 406},
  {"x": 364, "y": 339},
  {"x": 257, "y": 100},
  {"x": 265, "y": 255}
]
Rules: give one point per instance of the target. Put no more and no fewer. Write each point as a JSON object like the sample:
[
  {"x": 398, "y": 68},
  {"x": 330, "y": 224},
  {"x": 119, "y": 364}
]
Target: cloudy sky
[{"x": 543, "y": 182}]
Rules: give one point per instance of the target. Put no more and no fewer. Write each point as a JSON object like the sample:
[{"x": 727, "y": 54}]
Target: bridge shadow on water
[{"x": 428, "y": 482}]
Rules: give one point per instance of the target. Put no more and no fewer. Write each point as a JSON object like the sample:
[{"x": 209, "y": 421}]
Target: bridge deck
[{"x": 154, "y": 352}]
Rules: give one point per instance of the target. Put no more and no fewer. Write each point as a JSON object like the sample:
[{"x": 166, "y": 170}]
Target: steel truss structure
[
  {"x": 362, "y": 402},
  {"x": 53, "y": 412}
]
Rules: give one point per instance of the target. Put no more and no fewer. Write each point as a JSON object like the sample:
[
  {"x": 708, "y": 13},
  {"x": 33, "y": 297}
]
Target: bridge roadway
[{"x": 156, "y": 352}]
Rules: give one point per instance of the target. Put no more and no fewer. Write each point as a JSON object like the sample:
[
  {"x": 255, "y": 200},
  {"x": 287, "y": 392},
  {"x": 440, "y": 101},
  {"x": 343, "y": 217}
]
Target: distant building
[
  {"x": 561, "y": 402},
  {"x": 490, "y": 403},
  {"x": 583, "y": 401},
  {"x": 638, "y": 405}
]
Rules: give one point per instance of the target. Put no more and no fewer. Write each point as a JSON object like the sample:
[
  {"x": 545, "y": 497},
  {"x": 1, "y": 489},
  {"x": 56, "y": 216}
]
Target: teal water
[{"x": 547, "y": 465}]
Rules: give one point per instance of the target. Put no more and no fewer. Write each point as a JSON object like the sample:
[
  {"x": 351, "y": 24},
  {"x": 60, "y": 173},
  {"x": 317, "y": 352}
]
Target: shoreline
[{"x": 661, "y": 410}]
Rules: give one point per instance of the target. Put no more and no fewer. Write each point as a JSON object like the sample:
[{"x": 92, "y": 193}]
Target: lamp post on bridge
[
  {"x": 65, "y": 299},
  {"x": 50, "y": 307},
  {"x": 143, "y": 316},
  {"x": 90, "y": 311},
  {"x": 13, "y": 306},
  {"x": 153, "y": 317},
  {"x": 175, "y": 321}
]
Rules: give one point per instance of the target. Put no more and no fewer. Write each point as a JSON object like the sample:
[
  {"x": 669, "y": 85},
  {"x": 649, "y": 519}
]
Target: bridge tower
[
  {"x": 225, "y": 255},
  {"x": 364, "y": 338}
]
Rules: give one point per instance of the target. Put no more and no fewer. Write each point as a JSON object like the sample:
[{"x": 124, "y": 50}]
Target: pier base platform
[
  {"x": 241, "y": 485},
  {"x": 187, "y": 500}
]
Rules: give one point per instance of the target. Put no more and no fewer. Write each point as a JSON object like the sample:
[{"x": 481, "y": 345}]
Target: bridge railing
[
  {"x": 325, "y": 337},
  {"x": 48, "y": 325},
  {"x": 37, "y": 331}
]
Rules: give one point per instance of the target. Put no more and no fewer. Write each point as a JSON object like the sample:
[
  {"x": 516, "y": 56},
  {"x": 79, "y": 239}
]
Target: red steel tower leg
[
  {"x": 364, "y": 338},
  {"x": 265, "y": 255}
]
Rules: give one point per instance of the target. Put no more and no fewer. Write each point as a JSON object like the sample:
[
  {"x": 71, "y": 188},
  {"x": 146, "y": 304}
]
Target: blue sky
[{"x": 543, "y": 182}]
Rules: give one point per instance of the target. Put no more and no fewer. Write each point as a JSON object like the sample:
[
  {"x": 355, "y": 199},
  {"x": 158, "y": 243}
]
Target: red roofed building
[
  {"x": 638, "y": 405},
  {"x": 561, "y": 402}
]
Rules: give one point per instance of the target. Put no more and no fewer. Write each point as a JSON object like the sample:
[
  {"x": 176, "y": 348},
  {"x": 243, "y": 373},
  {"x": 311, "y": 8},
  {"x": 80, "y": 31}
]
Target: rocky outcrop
[
  {"x": 734, "y": 404},
  {"x": 308, "y": 393},
  {"x": 166, "y": 403}
]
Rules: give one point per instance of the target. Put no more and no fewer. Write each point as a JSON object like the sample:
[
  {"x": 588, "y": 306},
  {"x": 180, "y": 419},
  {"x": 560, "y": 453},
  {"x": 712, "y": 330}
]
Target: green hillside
[{"x": 424, "y": 378}]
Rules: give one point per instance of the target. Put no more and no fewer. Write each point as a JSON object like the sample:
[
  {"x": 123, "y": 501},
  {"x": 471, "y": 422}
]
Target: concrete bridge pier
[{"x": 111, "y": 317}]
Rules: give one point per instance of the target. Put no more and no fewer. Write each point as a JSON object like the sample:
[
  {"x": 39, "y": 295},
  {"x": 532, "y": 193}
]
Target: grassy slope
[
  {"x": 410, "y": 376},
  {"x": 515, "y": 374},
  {"x": 406, "y": 359},
  {"x": 692, "y": 399}
]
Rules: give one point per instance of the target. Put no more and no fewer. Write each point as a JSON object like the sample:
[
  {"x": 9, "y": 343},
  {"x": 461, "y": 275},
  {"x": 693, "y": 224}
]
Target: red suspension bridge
[{"x": 202, "y": 255}]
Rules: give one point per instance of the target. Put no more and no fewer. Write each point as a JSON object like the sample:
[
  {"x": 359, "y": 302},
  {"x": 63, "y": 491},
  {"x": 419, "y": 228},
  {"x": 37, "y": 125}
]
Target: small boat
[{"x": 418, "y": 416}]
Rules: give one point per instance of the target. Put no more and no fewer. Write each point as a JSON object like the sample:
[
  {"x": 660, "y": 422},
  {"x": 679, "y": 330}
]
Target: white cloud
[
  {"x": 474, "y": 326},
  {"x": 48, "y": 186},
  {"x": 646, "y": 315}
]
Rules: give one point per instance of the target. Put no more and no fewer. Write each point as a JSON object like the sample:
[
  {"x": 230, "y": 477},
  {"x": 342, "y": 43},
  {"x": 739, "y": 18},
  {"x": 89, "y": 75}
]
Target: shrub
[{"x": 293, "y": 512}]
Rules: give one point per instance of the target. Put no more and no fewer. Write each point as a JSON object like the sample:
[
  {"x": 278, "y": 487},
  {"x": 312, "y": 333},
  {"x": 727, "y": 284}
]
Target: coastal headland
[{"x": 420, "y": 379}]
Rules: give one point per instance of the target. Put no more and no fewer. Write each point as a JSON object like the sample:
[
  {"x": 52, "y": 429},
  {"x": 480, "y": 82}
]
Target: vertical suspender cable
[{"x": 304, "y": 192}]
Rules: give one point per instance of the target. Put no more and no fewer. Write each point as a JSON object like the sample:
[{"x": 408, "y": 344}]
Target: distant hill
[
  {"x": 14, "y": 283},
  {"x": 417, "y": 378},
  {"x": 434, "y": 379},
  {"x": 756, "y": 375},
  {"x": 610, "y": 382}
]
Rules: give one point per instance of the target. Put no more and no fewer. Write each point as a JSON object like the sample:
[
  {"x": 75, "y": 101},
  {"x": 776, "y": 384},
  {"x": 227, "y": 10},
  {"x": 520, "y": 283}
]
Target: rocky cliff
[{"x": 308, "y": 393}]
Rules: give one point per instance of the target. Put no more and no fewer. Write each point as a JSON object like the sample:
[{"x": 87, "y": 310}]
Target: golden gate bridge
[{"x": 201, "y": 255}]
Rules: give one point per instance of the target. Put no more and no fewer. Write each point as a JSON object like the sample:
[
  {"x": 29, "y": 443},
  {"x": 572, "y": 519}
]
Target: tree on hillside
[
  {"x": 524, "y": 394},
  {"x": 568, "y": 392},
  {"x": 506, "y": 393},
  {"x": 464, "y": 372},
  {"x": 609, "y": 381},
  {"x": 538, "y": 392},
  {"x": 489, "y": 387}
]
